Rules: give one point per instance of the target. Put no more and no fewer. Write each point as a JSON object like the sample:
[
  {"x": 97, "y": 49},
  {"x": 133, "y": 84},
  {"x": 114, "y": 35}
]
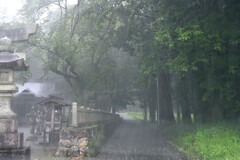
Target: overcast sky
[{"x": 9, "y": 8}]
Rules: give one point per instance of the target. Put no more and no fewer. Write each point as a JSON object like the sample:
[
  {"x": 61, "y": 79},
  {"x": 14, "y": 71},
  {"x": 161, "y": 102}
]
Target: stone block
[
  {"x": 83, "y": 150},
  {"x": 66, "y": 134},
  {"x": 66, "y": 143},
  {"x": 73, "y": 151},
  {"x": 8, "y": 88},
  {"x": 8, "y": 125},
  {"x": 82, "y": 143},
  {"x": 6, "y": 76},
  {"x": 9, "y": 140},
  {"x": 72, "y": 133},
  {"x": 5, "y": 105},
  {"x": 62, "y": 152},
  {"x": 82, "y": 134},
  {"x": 74, "y": 142}
]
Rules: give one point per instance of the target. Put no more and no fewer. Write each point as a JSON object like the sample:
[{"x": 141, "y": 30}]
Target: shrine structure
[{"x": 54, "y": 113}]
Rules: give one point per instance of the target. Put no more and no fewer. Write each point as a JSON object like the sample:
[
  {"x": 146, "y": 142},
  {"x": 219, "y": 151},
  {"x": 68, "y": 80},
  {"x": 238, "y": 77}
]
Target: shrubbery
[{"x": 217, "y": 142}]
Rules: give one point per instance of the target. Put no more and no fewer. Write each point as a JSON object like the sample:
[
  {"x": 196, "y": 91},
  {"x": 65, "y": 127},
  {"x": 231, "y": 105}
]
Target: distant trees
[
  {"x": 200, "y": 40},
  {"x": 190, "y": 47},
  {"x": 78, "y": 43}
]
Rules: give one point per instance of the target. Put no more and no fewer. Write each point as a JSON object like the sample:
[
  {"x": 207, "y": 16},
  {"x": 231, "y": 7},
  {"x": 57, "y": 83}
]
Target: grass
[
  {"x": 176, "y": 119},
  {"x": 140, "y": 116},
  {"x": 137, "y": 115},
  {"x": 219, "y": 141},
  {"x": 214, "y": 142}
]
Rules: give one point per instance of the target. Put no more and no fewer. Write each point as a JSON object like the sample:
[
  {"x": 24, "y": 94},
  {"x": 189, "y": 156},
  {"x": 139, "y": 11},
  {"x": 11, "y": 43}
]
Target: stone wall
[{"x": 80, "y": 142}]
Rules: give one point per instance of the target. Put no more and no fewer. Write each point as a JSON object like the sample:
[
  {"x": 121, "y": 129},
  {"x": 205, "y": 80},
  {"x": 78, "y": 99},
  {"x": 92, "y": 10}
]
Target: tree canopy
[{"x": 186, "y": 53}]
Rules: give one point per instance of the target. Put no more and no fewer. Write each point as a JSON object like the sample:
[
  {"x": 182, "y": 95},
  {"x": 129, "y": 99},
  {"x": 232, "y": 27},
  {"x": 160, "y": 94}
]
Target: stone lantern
[
  {"x": 11, "y": 142},
  {"x": 9, "y": 62}
]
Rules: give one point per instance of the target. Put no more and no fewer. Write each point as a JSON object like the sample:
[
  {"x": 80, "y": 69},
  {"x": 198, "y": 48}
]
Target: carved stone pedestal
[
  {"x": 9, "y": 137},
  {"x": 11, "y": 142}
]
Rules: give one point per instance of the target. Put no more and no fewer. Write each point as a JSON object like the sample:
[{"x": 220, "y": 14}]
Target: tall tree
[{"x": 77, "y": 42}]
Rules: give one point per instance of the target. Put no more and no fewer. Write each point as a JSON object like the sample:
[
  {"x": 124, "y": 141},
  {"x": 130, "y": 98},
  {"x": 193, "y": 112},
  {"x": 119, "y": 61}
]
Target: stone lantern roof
[
  {"x": 8, "y": 59},
  {"x": 13, "y": 62}
]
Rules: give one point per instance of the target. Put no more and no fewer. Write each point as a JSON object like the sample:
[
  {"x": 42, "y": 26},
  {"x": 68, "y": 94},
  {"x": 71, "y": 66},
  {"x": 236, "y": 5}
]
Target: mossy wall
[{"x": 84, "y": 141}]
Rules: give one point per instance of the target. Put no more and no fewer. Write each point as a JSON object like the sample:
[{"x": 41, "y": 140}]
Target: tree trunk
[
  {"x": 145, "y": 113},
  {"x": 178, "y": 114},
  {"x": 186, "y": 113},
  {"x": 152, "y": 103},
  {"x": 166, "y": 111}
]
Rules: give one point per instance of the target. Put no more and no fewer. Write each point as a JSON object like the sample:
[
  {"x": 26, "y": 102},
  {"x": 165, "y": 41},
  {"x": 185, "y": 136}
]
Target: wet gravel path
[{"x": 133, "y": 140}]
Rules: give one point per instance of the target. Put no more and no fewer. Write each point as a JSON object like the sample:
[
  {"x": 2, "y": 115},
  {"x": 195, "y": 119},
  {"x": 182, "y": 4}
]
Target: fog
[{"x": 120, "y": 79}]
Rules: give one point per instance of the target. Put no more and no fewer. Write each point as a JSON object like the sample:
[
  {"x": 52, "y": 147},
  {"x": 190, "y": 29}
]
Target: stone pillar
[
  {"x": 6, "y": 89},
  {"x": 74, "y": 114},
  {"x": 8, "y": 123}
]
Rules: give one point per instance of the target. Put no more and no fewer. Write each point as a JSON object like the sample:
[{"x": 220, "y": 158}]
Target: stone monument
[{"x": 11, "y": 142}]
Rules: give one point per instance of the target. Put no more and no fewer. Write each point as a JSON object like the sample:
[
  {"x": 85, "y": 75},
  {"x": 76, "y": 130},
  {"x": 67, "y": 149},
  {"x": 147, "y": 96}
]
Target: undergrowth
[
  {"x": 219, "y": 141},
  {"x": 206, "y": 142},
  {"x": 137, "y": 115}
]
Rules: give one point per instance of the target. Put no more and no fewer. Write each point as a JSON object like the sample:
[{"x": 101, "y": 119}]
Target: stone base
[
  {"x": 15, "y": 154},
  {"x": 8, "y": 125},
  {"x": 9, "y": 136}
]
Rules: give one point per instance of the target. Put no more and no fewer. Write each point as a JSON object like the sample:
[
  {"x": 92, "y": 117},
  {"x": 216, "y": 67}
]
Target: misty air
[{"x": 119, "y": 80}]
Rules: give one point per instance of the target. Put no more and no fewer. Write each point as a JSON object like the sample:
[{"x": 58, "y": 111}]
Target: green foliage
[
  {"x": 136, "y": 115},
  {"x": 79, "y": 43},
  {"x": 94, "y": 144},
  {"x": 218, "y": 142},
  {"x": 195, "y": 41}
]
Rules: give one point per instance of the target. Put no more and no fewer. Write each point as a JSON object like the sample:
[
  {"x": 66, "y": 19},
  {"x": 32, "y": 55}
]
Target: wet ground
[
  {"x": 39, "y": 151},
  {"x": 132, "y": 140}
]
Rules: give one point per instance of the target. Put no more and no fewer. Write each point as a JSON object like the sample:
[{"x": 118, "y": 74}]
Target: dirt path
[{"x": 133, "y": 140}]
